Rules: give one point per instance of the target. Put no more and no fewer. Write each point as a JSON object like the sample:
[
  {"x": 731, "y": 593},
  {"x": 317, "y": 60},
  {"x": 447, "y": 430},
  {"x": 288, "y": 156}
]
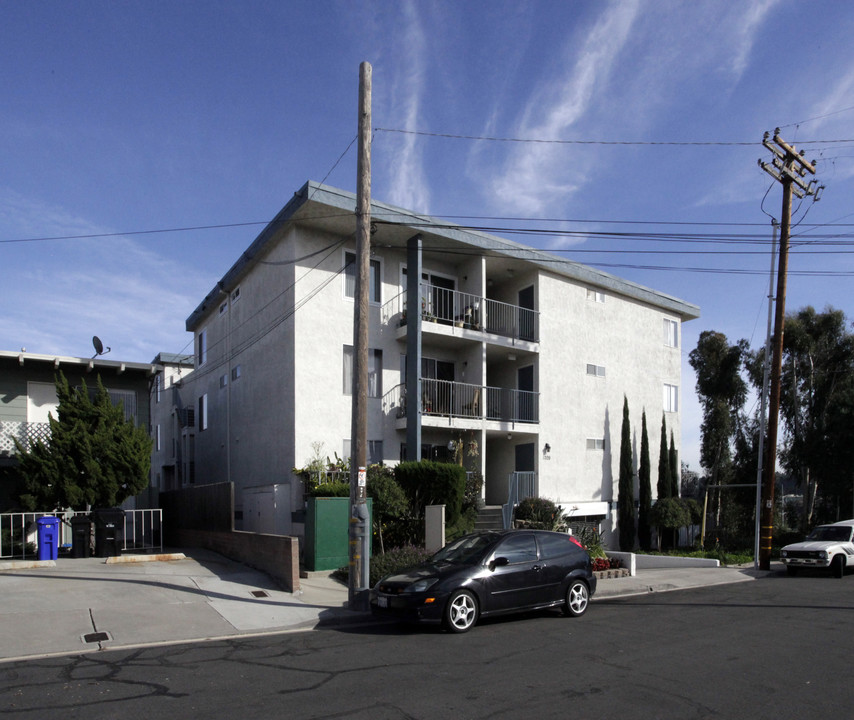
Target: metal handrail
[{"x": 142, "y": 531}]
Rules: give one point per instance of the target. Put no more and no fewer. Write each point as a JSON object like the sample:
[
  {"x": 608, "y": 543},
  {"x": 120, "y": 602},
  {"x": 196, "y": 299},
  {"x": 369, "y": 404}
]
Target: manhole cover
[
  {"x": 96, "y": 637},
  {"x": 260, "y": 593}
]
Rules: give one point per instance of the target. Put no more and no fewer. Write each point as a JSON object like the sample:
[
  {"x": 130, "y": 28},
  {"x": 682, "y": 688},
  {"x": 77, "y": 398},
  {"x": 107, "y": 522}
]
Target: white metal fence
[{"x": 19, "y": 532}]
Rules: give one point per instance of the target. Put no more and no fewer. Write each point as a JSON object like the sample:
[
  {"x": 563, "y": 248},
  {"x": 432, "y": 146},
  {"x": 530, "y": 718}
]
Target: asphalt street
[{"x": 776, "y": 648}]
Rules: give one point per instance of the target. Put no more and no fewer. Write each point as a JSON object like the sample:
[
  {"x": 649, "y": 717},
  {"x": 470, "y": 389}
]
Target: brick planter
[{"x": 611, "y": 574}]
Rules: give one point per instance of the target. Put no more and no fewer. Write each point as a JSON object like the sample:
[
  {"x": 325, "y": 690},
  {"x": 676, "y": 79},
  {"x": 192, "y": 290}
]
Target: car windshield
[
  {"x": 467, "y": 550},
  {"x": 830, "y": 533}
]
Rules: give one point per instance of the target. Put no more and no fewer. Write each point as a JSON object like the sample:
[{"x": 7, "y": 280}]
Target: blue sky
[{"x": 119, "y": 118}]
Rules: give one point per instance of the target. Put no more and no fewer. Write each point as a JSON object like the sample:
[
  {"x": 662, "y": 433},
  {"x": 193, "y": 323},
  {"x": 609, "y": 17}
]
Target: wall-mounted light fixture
[{"x": 547, "y": 449}]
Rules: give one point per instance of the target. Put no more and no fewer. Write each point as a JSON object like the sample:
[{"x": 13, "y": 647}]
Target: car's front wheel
[
  {"x": 837, "y": 566},
  {"x": 461, "y": 611},
  {"x": 577, "y": 598}
]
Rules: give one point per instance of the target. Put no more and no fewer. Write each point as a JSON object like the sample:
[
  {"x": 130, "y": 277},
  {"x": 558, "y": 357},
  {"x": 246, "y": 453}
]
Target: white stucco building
[{"x": 527, "y": 354}]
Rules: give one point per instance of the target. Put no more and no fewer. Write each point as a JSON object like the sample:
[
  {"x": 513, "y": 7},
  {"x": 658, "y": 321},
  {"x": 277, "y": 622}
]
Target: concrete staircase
[{"x": 489, "y": 517}]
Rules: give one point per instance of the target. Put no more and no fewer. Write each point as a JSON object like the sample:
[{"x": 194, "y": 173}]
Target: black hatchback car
[{"x": 490, "y": 573}]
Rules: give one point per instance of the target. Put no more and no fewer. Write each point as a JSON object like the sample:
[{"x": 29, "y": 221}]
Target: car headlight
[
  {"x": 421, "y": 585},
  {"x": 784, "y": 553},
  {"x": 823, "y": 554}
]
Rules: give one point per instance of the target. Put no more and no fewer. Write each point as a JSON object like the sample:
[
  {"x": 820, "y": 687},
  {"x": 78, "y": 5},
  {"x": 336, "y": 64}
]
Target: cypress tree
[
  {"x": 673, "y": 460},
  {"x": 664, "y": 481},
  {"x": 644, "y": 490},
  {"x": 626, "y": 495}
]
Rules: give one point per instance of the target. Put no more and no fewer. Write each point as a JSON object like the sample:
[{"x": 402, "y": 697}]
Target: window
[
  {"x": 203, "y": 412},
  {"x": 158, "y": 382},
  {"x": 350, "y": 278},
  {"x": 157, "y": 438},
  {"x": 596, "y": 370},
  {"x": 375, "y": 370},
  {"x": 595, "y": 443},
  {"x": 375, "y": 451},
  {"x": 671, "y": 398},
  {"x": 595, "y": 295},
  {"x": 235, "y": 373},
  {"x": 223, "y": 380},
  {"x": 223, "y": 307},
  {"x": 518, "y": 548},
  {"x": 671, "y": 333},
  {"x": 235, "y": 295},
  {"x": 202, "y": 352}
]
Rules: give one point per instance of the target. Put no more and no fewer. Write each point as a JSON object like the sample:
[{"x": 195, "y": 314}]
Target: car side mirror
[{"x": 498, "y": 562}]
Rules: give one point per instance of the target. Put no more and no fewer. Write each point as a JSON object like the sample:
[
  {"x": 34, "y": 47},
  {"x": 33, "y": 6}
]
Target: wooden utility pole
[
  {"x": 360, "y": 525},
  {"x": 788, "y": 167}
]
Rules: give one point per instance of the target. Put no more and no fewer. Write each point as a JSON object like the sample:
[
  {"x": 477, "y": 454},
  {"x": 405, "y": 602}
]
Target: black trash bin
[
  {"x": 109, "y": 531},
  {"x": 81, "y": 532}
]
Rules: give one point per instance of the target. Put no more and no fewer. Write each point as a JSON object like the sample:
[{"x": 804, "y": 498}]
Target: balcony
[
  {"x": 25, "y": 432},
  {"x": 456, "y": 400},
  {"x": 451, "y": 308}
]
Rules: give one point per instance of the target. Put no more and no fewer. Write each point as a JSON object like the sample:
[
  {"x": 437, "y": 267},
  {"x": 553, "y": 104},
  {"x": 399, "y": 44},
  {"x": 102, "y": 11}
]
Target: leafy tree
[
  {"x": 722, "y": 392},
  {"x": 816, "y": 409},
  {"x": 389, "y": 505},
  {"x": 644, "y": 490},
  {"x": 664, "y": 486},
  {"x": 670, "y": 514},
  {"x": 625, "y": 491},
  {"x": 94, "y": 458}
]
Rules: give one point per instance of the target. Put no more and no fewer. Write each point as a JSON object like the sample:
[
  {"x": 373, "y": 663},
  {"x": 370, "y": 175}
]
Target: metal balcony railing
[
  {"x": 464, "y": 400},
  {"x": 464, "y": 310}
]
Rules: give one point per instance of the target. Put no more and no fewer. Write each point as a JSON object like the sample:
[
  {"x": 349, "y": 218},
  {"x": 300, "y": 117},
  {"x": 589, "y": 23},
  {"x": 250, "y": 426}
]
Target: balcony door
[
  {"x": 437, "y": 379},
  {"x": 527, "y": 323}
]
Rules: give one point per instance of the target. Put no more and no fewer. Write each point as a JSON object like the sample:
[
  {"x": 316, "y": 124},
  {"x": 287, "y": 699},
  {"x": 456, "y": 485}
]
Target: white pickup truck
[{"x": 827, "y": 546}]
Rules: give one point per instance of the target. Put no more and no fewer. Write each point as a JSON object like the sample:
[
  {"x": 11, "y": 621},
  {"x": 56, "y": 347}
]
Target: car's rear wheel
[
  {"x": 577, "y": 598},
  {"x": 837, "y": 566},
  {"x": 792, "y": 571},
  {"x": 461, "y": 611}
]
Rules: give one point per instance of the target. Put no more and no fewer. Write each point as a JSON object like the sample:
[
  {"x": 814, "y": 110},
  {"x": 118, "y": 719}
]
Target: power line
[{"x": 695, "y": 143}]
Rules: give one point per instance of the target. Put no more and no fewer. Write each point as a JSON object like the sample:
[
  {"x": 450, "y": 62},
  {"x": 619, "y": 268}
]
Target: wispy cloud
[
  {"x": 133, "y": 297},
  {"x": 408, "y": 186},
  {"x": 744, "y": 30},
  {"x": 534, "y": 175}
]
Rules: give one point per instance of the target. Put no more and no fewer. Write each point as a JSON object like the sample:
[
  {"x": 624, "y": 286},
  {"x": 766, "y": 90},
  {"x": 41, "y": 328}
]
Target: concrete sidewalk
[{"x": 83, "y": 605}]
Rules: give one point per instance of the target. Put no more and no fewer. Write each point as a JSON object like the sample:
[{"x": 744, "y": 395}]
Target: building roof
[
  {"x": 333, "y": 210},
  {"x": 164, "y": 358},
  {"x": 89, "y": 364}
]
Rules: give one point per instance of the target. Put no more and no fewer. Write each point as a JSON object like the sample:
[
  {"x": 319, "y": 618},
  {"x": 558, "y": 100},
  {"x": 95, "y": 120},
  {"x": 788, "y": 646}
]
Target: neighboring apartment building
[
  {"x": 28, "y": 395},
  {"x": 172, "y": 425},
  {"x": 518, "y": 353}
]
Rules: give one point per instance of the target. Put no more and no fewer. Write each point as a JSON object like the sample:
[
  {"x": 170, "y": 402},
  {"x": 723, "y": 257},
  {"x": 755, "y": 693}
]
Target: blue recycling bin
[{"x": 48, "y": 538}]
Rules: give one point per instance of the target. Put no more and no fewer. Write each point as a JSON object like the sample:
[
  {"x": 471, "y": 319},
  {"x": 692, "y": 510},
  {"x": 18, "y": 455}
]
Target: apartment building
[
  {"x": 517, "y": 357},
  {"x": 171, "y": 423}
]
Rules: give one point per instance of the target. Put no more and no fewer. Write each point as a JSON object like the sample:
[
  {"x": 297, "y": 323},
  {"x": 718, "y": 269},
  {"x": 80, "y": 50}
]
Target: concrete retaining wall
[
  {"x": 276, "y": 555},
  {"x": 633, "y": 562}
]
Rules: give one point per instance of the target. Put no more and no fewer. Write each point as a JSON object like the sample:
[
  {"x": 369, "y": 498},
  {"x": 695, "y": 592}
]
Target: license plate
[{"x": 382, "y": 602}]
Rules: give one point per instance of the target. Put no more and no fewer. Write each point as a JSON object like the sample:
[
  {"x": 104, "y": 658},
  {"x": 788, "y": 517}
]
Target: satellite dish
[{"x": 99, "y": 347}]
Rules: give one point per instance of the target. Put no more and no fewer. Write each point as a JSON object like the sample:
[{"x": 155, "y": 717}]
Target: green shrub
[
  {"x": 395, "y": 560},
  {"x": 333, "y": 489},
  {"x": 592, "y": 541},
  {"x": 540, "y": 513},
  {"x": 431, "y": 483}
]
